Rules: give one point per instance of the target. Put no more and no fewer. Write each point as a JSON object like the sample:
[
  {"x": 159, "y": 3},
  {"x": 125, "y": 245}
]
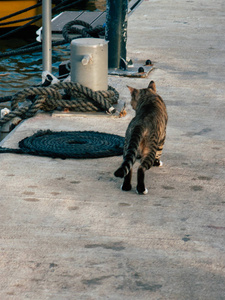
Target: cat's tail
[{"x": 131, "y": 153}]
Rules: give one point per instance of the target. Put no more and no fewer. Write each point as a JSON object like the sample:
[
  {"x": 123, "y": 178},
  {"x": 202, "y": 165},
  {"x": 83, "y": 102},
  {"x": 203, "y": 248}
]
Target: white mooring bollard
[{"x": 89, "y": 63}]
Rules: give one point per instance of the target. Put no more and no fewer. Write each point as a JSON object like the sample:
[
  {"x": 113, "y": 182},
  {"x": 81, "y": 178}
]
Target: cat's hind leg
[
  {"x": 157, "y": 161},
  {"x": 126, "y": 186},
  {"x": 147, "y": 162},
  {"x": 141, "y": 189}
]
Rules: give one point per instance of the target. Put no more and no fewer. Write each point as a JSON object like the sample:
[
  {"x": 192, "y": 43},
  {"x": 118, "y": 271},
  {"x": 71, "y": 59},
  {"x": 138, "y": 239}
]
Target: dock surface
[{"x": 67, "y": 231}]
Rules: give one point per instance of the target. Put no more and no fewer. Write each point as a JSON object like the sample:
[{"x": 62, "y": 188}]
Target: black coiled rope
[{"x": 70, "y": 144}]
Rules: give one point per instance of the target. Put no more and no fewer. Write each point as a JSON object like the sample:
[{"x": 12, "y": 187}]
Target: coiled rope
[
  {"x": 70, "y": 144},
  {"x": 76, "y": 97}
]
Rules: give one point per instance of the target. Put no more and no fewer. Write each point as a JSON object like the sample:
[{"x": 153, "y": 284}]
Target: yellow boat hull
[{"x": 11, "y": 6}]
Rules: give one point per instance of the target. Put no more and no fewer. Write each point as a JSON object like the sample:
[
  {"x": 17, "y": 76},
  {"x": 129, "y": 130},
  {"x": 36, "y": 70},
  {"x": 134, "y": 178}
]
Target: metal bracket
[{"x": 139, "y": 69}]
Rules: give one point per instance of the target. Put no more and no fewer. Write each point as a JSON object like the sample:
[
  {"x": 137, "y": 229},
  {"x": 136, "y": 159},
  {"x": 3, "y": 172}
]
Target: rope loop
[{"x": 87, "y": 31}]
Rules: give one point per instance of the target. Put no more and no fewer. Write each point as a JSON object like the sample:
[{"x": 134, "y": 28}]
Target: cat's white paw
[
  {"x": 160, "y": 163},
  {"x": 144, "y": 193}
]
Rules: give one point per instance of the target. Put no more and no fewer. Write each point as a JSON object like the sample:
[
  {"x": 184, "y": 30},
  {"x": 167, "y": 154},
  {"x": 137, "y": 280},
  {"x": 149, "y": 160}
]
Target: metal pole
[
  {"x": 46, "y": 35},
  {"x": 116, "y": 31}
]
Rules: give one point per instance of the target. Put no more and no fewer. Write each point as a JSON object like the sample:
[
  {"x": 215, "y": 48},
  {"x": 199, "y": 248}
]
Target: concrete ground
[{"x": 67, "y": 231}]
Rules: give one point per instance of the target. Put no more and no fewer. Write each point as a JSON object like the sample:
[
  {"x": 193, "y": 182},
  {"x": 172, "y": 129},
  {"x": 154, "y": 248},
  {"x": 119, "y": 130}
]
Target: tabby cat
[{"x": 145, "y": 136}]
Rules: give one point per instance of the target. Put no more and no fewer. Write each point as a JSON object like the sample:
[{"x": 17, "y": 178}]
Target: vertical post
[
  {"x": 46, "y": 35},
  {"x": 116, "y": 31}
]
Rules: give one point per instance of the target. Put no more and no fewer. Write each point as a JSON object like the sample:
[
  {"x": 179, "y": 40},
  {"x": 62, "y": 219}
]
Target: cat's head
[{"x": 137, "y": 94}]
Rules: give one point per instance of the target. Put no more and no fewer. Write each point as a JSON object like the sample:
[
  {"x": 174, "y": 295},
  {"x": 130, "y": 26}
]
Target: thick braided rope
[
  {"x": 5, "y": 99},
  {"x": 16, "y": 113},
  {"x": 49, "y": 98},
  {"x": 103, "y": 98}
]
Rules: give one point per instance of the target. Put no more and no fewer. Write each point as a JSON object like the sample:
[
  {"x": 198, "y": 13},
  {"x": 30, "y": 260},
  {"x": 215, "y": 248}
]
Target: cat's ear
[
  {"x": 134, "y": 97},
  {"x": 152, "y": 85},
  {"x": 131, "y": 89}
]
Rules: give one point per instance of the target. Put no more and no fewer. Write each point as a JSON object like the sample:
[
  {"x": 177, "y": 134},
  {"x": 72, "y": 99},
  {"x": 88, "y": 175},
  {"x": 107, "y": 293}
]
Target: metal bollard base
[{"x": 138, "y": 69}]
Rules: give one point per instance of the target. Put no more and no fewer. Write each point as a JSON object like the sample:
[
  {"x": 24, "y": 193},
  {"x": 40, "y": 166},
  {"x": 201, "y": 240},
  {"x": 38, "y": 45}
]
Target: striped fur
[{"x": 145, "y": 135}]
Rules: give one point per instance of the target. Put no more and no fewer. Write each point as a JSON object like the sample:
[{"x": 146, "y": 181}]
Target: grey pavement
[{"x": 67, "y": 231}]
